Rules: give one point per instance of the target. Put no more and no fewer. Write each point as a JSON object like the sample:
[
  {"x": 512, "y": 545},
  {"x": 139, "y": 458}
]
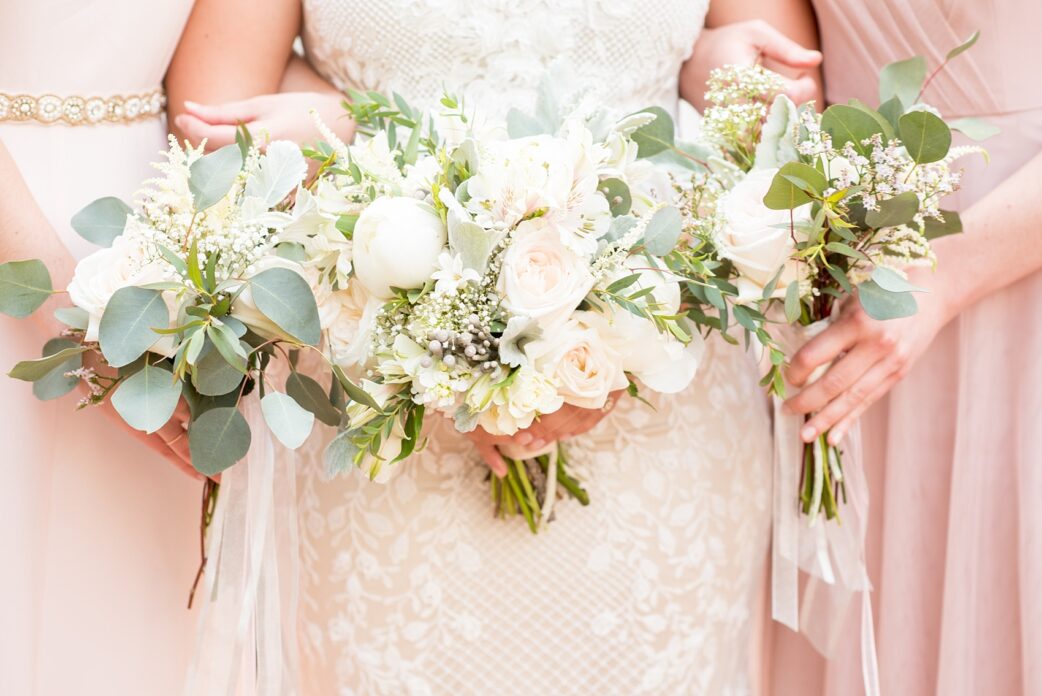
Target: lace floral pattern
[{"x": 412, "y": 587}]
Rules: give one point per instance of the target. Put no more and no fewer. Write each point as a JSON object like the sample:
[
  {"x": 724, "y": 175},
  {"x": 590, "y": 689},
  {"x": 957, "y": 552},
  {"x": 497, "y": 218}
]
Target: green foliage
[
  {"x": 974, "y": 128},
  {"x": 24, "y": 286},
  {"x": 663, "y": 231},
  {"x": 656, "y": 136},
  {"x": 618, "y": 195},
  {"x": 887, "y": 295},
  {"x": 126, "y": 326},
  {"x": 146, "y": 400},
  {"x": 341, "y": 453},
  {"x": 32, "y": 370},
  {"x": 285, "y": 297},
  {"x": 73, "y": 317},
  {"x": 55, "y": 384},
  {"x": 217, "y": 439},
  {"x": 212, "y": 176},
  {"x": 926, "y": 137},
  {"x": 212, "y": 375},
  {"x": 794, "y": 185},
  {"x": 102, "y": 221},
  {"x": 290, "y": 423},
  {"x": 355, "y": 392},
  {"x": 851, "y": 124},
  {"x": 310, "y": 395},
  {"x": 899, "y": 210},
  {"x": 903, "y": 80},
  {"x": 934, "y": 228},
  {"x": 963, "y": 47}
]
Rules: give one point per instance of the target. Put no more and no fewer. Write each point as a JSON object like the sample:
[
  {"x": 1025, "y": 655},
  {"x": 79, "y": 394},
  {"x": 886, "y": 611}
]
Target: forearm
[
  {"x": 301, "y": 77},
  {"x": 1000, "y": 244}
]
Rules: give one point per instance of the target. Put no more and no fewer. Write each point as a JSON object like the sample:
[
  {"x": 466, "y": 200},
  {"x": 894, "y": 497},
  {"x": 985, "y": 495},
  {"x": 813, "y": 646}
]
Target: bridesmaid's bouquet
[
  {"x": 808, "y": 208},
  {"x": 498, "y": 274},
  {"x": 193, "y": 295}
]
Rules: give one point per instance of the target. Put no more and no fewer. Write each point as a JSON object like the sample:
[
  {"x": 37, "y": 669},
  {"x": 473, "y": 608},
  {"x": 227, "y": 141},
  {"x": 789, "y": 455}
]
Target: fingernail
[
  {"x": 524, "y": 438},
  {"x": 808, "y": 433}
]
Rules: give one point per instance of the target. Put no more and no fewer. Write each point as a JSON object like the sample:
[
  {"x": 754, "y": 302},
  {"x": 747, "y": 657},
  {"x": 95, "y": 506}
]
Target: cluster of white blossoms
[{"x": 738, "y": 98}]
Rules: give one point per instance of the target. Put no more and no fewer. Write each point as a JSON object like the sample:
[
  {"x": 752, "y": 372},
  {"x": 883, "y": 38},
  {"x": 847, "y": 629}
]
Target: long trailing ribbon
[
  {"x": 247, "y": 641},
  {"x": 831, "y": 553}
]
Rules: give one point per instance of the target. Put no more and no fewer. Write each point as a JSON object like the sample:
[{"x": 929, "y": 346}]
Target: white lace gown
[{"x": 413, "y": 587}]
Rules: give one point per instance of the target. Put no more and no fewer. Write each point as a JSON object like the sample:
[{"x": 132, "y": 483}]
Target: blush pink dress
[
  {"x": 954, "y": 455},
  {"x": 98, "y": 540}
]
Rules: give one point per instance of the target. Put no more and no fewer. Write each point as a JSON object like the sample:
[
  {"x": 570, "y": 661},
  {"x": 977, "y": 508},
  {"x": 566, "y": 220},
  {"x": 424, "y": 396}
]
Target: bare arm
[
  {"x": 1000, "y": 247},
  {"x": 782, "y": 32}
]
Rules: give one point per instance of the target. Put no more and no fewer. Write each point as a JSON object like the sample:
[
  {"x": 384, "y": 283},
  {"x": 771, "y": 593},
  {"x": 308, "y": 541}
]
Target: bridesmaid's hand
[
  {"x": 568, "y": 421},
  {"x": 169, "y": 442},
  {"x": 285, "y": 116},
  {"x": 745, "y": 43},
  {"x": 870, "y": 358}
]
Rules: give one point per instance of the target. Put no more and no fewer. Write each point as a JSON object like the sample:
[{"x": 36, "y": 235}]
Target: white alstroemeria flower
[{"x": 451, "y": 275}]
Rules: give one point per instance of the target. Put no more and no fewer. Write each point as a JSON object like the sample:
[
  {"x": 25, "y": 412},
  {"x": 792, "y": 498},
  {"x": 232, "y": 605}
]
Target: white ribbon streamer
[
  {"x": 831, "y": 553},
  {"x": 247, "y": 642}
]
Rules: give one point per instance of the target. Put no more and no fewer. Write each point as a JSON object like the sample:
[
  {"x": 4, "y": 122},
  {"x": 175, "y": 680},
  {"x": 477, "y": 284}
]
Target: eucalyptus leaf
[
  {"x": 891, "y": 110},
  {"x": 126, "y": 325},
  {"x": 783, "y": 194},
  {"x": 926, "y": 137},
  {"x": 656, "y": 136},
  {"x": 355, "y": 392},
  {"x": 903, "y": 79},
  {"x": 952, "y": 224},
  {"x": 32, "y": 370},
  {"x": 792, "y": 302},
  {"x": 663, "y": 231},
  {"x": 975, "y": 128},
  {"x": 964, "y": 46},
  {"x": 227, "y": 344},
  {"x": 290, "y": 423},
  {"x": 217, "y": 439},
  {"x": 882, "y": 304},
  {"x": 146, "y": 400},
  {"x": 55, "y": 384},
  {"x": 899, "y": 210},
  {"x": 24, "y": 286},
  {"x": 285, "y": 297},
  {"x": 850, "y": 124},
  {"x": 892, "y": 281},
  {"x": 212, "y": 375},
  {"x": 102, "y": 221},
  {"x": 619, "y": 227},
  {"x": 618, "y": 195},
  {"x": 73, "y": 317},
  {"x": 310, "y": 395},
  {"x": 212, "y": 176}
]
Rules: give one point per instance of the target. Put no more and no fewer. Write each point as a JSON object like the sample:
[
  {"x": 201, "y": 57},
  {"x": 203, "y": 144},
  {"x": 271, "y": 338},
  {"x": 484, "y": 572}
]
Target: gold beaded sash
[{"x": 81, "y": 111}]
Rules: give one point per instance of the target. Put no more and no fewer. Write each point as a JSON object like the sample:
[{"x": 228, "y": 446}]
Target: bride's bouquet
[
  {"x": 191, "y": 295},
  {"x": 808, "y": 208},
  {"x": 498, "y": 274}
]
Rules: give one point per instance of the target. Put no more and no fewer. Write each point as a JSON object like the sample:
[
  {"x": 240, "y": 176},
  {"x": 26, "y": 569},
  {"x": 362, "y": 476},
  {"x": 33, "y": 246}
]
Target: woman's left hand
[{"x": 870, "y": 358}]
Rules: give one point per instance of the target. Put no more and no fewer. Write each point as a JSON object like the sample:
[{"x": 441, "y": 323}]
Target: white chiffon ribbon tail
[{"x": 247, "y": 641}]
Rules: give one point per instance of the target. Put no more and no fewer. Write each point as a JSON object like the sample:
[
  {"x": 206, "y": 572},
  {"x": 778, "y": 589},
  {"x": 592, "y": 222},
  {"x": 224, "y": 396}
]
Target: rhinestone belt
[{"x": 81, "y": 111}]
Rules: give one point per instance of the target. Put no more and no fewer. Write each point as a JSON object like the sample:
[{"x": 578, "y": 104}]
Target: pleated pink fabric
[{"x": 954, "y": 455}]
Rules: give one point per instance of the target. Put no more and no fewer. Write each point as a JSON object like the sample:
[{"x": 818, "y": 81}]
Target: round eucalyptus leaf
[
  {"x": 102, "y": 221},
  {"x": 73, "y": 317},
  {"x": 903, "y": 80},
  {"x": 663, "y": 231},
  {"x": 310, "y": 395},
  {"x": 618, "y": 195},
  {"x": 290, "y": 423},
  {"x": 891, "y": 212},
  {"x": 212, "y": 177},
  {"x": 793, "y": 185},
  {"x": 212, "y": 375},
  {"x": 24, "y": 286},
  {"x": 55, "y": 384},
  {"x": 126, "y": 325},
  {"x": 217, "y": 439},
  {"x": 926, "y": 137},
  {"x": 285, "y": 297},
  {"x": 848, "y": 124},
  {"x": 882, "y": 304},
  {"x": 146, "y": 400}
]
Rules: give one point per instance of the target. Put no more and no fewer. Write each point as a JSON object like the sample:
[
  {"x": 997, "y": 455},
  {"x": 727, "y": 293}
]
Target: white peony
[
  {"x": 397, "y": 241},
  {"x": 126, "y": 263},
  {"x": 584, "y": 366},
  {"x": 758, "y": 240},
  {"x": 541, "y": 278},
  {"x": 350, "y": 331}
]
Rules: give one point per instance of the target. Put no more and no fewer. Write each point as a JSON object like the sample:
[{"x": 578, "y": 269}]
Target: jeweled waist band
[{"x": 75, "y": 110}]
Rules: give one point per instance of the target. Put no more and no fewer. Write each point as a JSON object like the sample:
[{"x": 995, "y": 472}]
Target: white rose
[
  {"x": 351, "y": 329},
  {"x": 396, "y": 244},
  {"x": 758, "y": 240},
  {"x": 508, "y": 410},
  {"x": 98, "y": 276},
  {"x": 541, "y": 278},
  {"x": 585, "y": 368}
]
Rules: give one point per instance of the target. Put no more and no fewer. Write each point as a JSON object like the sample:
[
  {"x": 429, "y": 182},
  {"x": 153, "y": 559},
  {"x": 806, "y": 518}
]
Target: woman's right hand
[
  {"x": 284, "y": 116},
  {"x": 169, "y": 442}
]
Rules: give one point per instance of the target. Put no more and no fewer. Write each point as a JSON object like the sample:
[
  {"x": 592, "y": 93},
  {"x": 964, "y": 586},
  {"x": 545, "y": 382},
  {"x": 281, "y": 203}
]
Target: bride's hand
[
  {"x": 568, "y": 421},
  {"x": 744, "y": 43},
  {"x": 284, "y": 116},
  {"x": 870, "y": 358},
  {"x": 169, "y": 442}
]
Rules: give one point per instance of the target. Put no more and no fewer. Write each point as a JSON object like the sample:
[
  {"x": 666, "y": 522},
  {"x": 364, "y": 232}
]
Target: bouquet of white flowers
[
  {"x": 497, "y": 274},
  {"x": 190, "y": 296}
]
